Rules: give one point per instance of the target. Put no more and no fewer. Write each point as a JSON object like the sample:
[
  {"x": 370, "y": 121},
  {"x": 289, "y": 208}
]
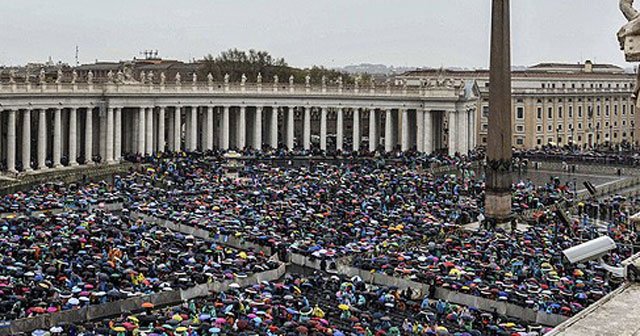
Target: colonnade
[{"x": 52, "y": 137}]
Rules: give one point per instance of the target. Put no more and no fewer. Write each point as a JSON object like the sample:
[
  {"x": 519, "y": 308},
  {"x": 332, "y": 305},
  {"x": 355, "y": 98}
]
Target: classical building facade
[
  {"x": 52, "y": 123},
  {"x": 584, "y": 104}
]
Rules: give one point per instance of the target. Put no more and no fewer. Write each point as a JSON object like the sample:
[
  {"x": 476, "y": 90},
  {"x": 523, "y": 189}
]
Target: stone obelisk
[{"x": 498, "y": 192}]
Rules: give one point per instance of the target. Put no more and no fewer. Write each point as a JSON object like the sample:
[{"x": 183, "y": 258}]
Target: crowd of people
[
  {"x": 387, "y": 214},
  {"x": 65, "y": 261},
  {"x": 307, "y": 305}
]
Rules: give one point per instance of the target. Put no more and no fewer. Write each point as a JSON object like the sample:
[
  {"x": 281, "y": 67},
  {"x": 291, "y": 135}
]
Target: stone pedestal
[
  {"x": 632, "y": 48},
  {"x": 500, "y": 205}
]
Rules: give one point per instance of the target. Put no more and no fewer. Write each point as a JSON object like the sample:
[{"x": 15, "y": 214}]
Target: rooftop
[
  {"x": 563, "y": 70},
  {"x": 614, "y": 315}
]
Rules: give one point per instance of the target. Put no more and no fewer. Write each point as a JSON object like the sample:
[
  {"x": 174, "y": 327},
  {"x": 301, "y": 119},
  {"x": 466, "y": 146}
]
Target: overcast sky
[{"x": 306, "y": 32}]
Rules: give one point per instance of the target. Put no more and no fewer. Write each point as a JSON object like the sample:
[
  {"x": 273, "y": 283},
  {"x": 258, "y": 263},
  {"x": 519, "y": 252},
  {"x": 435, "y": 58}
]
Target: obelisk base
[{"x": 498, "y": 207}]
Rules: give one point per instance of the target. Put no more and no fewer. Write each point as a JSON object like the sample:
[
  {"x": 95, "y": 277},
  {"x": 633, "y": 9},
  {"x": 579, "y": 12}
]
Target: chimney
[{"x": 588, "y": 66}]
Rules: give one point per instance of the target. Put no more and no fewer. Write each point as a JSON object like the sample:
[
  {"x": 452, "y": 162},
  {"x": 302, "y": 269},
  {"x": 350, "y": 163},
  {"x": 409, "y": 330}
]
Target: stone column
[
  {"x": 405, "y": 130},
  {"x": 209, "y": 145},
  {"x": 57, "y": 137},
  {"x": 142, "y": 130},
  {"x": 498, "y": 173},
  {"x": 257, "y": 131},
  {"x": 73, "y": 136},
  {"x": 193, "y": 129},
  {"x": 11, "y": 142},
  {"x": 88, "y": 136},
  {"x": 42, "y": 139},
  {"x": 464, "y": 135},
  {"x": 177, "y": 129},
  {"x": 356, "y": 130},
  {"x": 419, "y": 130},
  {"x": 117, "y": 135},
  {"x": 274, "y": 127},
  {"x": 388, "y": 131},
  {"x": 149, "y": 131},
  {"x": 290, "y": 130},
  {"x": 306, "y": 132},
  {"x": 323, "y": 129},
  {"x": 340, "y": 129},
  {"x": 225, "y": 128},
  {"x": 242, "y": 128},
  {"x": 26, "y": 140},
  {"x": 373, "y": 138},
  {"x": 109, "y": 136},
  {"x": 428, "y": 132},
  {"x": 453, "y": 133},
  {"x": 160, "y": 146}
]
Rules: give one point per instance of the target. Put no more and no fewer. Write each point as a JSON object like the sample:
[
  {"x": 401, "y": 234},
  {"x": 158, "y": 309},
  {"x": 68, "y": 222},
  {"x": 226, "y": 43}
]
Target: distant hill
[{"x": 375, "y": 69}]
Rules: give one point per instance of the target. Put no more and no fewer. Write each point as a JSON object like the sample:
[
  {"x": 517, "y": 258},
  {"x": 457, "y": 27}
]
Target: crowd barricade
[
  {"x": 110, "y": 207},
  {"x": 421, "y": 289},
  {"x": 132, "y": 305},
  {"x": 230, "y": 241}
]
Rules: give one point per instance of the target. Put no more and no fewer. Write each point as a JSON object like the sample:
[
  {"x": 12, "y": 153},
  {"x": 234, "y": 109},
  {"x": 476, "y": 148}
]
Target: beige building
[{"x": 585, "y": 104}]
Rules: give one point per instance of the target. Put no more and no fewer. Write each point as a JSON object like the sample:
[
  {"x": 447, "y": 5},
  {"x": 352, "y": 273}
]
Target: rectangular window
[
  {"x": 559, "y": 112},
  {"x": 579, "y": 111},
  {"x": 549, "y": 128},
  {"x": 550, "y": 113},
  {"x": 580, "y": 126},
  {"x": 606, "y": 110},
  {"x": 520, "y": 128},
  {"x": 598, "y": 110},
  {"x": 539, "y": 112},
  {"x": 571, "y": 112},
  {"x": 615, "y": 110},
  {"x": 519, "y": 112},
  {"x": 559, "y": 127},
  {"x": 539, "y": 128},
  {"x": 624, "y": 109},
  {"x": 485, "y": 111},
  {"x": 539, "y": 141},
  {"x": 520, "y": 141}
]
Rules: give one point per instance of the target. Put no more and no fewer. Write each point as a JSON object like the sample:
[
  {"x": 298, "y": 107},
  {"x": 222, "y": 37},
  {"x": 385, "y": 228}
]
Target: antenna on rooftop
[{"x": 77, "y": 55}]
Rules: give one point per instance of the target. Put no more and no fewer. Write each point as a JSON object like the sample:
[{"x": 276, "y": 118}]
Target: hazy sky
[{"x": 305, "y": 32}]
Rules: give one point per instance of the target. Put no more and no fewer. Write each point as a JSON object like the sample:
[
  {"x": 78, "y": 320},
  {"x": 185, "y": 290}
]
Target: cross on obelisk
[{"x": 498, "y": 172}]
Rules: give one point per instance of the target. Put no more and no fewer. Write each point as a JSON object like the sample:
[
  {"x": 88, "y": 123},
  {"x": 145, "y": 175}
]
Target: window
[
  {"x": 539, "y": 141},
  {"x": 624, "y": 109},
  {"x": 520, "y": 141},
  {"x": 624, "y": 123},
  {"x": 550, "y": 113},
  {"x": 539, "y": 128},
  {"x": 579, "y": 138},
  {"x": 484, "y": 140},
  {"x": 615, "y": 110},
  {"x": 559, "y": 127},
  {"x": 606, "y": 110},
  {"x": 549, "y": 140},
  {"x": 539, "y": 112},
  {"x": 520, "y": 128},
  {"x": 598, "y": 110},
  {"x": 519, "y": 112},
  {"x": 485, "y": 111},
  {"x": 559, "y": 112},
  {"x": 580, "y": 126},
  {"x": 579, "y": 111},
  {"x": 543, "y": 85},
  {"x": 571, "y": 111},
  {"x": 549, "y": 128},
  {"x": 485, "y": 127}
]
